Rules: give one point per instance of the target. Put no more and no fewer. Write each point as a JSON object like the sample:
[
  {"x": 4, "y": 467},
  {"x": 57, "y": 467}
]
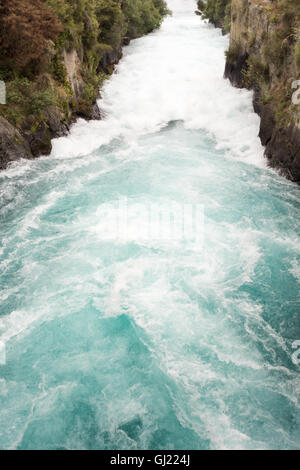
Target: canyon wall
[
  {"x": 264, "y": 55},
  {"x": 54, "y": 57}
]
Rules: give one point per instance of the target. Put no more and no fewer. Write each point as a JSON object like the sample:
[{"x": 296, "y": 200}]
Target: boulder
[{"x": 13, "y": 146}]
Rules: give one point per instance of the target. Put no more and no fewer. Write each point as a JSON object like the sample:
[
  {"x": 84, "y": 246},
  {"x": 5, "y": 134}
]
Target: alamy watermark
[
  {"x": 169, "y": 221},
  {"x": 2, "y": 92}
]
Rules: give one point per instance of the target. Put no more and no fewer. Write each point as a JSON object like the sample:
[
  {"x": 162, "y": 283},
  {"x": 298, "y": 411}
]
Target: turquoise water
[{"x": 136, "y": 341}]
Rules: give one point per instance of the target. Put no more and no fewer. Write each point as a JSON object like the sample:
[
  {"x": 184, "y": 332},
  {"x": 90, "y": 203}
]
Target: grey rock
[
  {"x": 57, "y": 126},
  {"x": 39, "y": 140}
]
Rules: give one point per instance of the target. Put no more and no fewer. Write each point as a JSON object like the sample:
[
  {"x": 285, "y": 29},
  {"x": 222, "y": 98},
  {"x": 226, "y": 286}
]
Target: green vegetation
[
  {"x": 297, "y": 54},
  {"x": 256, "y": 73},
  {"x": 25, "y": 98},
  {"x": 38, "y": 32},
  {"x": 285, "y": 37},
  {"x": 273, "y": 55},
  {"x": 280, "y": 46},
  {"x": 233, "y": 53},
  {"x": 217, "y": 12}
]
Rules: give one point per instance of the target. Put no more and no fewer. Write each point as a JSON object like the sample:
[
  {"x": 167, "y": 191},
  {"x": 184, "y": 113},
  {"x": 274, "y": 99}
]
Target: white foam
[{"x": 175, "y": 73}]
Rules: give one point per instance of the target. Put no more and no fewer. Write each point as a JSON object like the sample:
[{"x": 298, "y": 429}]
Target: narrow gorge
[{"x": 150, "y": 264}]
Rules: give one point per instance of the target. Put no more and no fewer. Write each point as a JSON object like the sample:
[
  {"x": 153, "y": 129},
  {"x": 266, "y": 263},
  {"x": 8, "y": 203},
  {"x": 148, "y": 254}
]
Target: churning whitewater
[{"x": 144, "y": 343}]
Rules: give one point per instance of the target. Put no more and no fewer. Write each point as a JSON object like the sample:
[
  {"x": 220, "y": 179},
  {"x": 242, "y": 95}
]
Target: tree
[{"x": 26, "y": 27}]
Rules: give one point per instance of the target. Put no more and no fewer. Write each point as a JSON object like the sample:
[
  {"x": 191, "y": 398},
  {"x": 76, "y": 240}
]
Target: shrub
[
  {"x": 256, "y": 73},
  {"x": 233, "y": 53},
  {"x": 26, "y": 27},
  {"x": 297, "y": 54},
  {"x": 34, "y": 33}
]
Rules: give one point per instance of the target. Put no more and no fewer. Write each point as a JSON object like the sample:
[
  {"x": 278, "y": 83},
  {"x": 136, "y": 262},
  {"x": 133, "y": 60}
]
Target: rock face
[
  {"x": 110, "y": 59},
  {"x": 282, "y": 145},
  {"x": 47, "y": 88},
  {"x": 34, "y": 138},
  {"x": 13, "y": 146},
  {"x": 262, "y": 57},
  {"x": 233, "y": 70},
  {"x": 72, "y": 65}
]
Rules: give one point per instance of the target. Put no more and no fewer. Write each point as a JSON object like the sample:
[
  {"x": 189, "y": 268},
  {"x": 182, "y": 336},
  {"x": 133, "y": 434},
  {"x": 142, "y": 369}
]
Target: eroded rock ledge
[
  {"x": 34, "y": 138},
  {"x": 263, "y": 57}
]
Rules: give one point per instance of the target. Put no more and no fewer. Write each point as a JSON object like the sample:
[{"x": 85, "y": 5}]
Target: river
[{"x": 116, "y": 334}]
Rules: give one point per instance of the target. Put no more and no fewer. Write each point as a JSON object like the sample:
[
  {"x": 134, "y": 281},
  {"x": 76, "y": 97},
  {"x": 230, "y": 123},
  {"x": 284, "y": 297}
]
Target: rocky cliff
[
  {"x": 264, "y": 55},
  {"x": 54, "y": 57}
]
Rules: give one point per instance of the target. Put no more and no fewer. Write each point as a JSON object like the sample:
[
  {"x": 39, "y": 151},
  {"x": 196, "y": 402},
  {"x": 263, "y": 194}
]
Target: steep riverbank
[
  {"x": 264, "y": 55},
  {"x": 119, "y": 334},
  {"x": 54, "y": 58}
]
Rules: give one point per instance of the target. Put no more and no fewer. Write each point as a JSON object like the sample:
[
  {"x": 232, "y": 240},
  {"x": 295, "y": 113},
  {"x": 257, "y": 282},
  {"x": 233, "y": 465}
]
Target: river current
[{"x": 117, "y": 337}]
